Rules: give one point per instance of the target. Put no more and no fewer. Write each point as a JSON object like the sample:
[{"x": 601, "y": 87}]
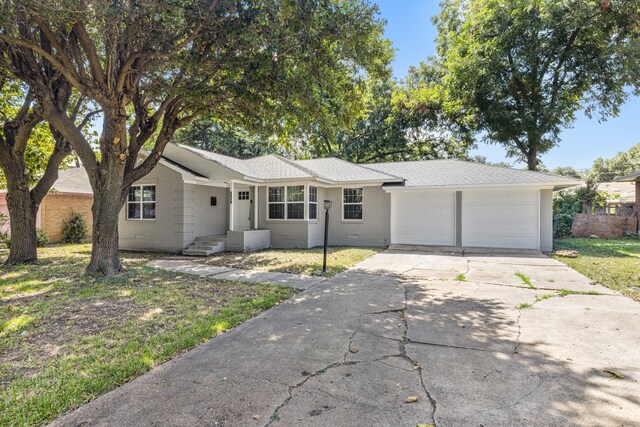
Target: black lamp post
[{"x": 327, "y": 207}]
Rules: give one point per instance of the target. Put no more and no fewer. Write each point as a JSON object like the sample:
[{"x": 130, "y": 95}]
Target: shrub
[
  {"x": 75, "y": 229},
  {"x": 4, "y": 236},
  {"x": 41, "y": 237}
]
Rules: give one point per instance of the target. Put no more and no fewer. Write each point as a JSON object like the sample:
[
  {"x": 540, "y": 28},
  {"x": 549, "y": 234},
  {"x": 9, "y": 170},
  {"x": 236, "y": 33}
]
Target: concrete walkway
[
  {"x": 397, "y": 341},
  {"x": 226, "y": 273}
]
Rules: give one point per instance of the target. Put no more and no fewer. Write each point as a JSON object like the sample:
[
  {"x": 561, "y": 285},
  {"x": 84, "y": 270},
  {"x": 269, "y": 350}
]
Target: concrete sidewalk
[
  {"x": 297, "y": 281},
  {"x": 398, "y": 342}
]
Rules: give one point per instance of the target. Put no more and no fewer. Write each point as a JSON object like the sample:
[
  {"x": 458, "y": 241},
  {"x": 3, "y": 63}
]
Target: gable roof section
[
  {"x": 72, "y": 180},
  {"x": 634, "y": 176},
  {"x": 337, "y": 170},
  {"x": 441, "y": 173}
]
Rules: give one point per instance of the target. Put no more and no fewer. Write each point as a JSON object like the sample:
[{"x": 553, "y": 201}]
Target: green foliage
[
  {"x": 524, "y": 68},
  {"x": 4, "y": 235},
  {"x": 567, "y": 171},
  {"x": 208, "y": 134},
  {"x": 623, "y": 163},
  {"x": 41, "y": 238},
  {"x": 41, "y": 142},
  {"x": 75, "y": 229}
]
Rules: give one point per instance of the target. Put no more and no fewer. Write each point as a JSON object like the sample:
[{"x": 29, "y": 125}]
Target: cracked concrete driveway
[{"x": 351, "y": 349}]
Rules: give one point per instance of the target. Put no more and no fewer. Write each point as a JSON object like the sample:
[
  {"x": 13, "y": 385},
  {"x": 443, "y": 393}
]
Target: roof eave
[
  {"x": 537, "y": 185},
  {"x": 632, "y": 177}
]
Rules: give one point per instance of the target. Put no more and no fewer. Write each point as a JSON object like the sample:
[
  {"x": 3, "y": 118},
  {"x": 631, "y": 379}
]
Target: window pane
[
  {"x": 295, "y": 193},
  {"x": 295, "y": 210},
  {"x": 352, "y": 195},
  {"x": 352, "y": 211},
  {"x": 149, "y": 193},
  {"x": 149, "y": 210},
  {"x": 313, "y": 194},
  {"x": 276, "y": 211},
  {"x": 313, "y": 211},
  {"x": 276, "y": 194},
  {"x": 243, "y": 195},
  {"x": 134, "y": 194},
  {"x": 133, "y": 211}
]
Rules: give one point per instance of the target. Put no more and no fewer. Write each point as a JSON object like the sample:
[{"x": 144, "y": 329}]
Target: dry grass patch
[
  {"x": 297, "y": 261},
  {"x": 66, "y": 338}
]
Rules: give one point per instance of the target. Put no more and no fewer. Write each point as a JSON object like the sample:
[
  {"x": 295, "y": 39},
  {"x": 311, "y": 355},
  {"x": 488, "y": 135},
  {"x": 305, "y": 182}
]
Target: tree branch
[{"x": 94, "y": 62}]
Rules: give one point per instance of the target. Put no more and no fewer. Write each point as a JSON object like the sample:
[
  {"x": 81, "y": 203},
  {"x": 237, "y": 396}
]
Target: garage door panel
[
  {"x": 500, "y": 219},
  {"x": 423, "y": 218}
]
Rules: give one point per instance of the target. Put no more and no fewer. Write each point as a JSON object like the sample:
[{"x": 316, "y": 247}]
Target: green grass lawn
[
  {"x": 297, "y": 261},
  {"x": 612, "y": 263},
  {"x": 66, "y": 338}
]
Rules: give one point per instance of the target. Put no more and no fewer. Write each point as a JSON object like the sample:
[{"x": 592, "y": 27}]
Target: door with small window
[{"x": 242, "y": 210}]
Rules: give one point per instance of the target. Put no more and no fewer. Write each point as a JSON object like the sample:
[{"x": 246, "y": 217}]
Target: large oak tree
[
  {"x": 153, "y": 66},
  {"x": 525, "y": 67},
  {"x": 30, "y": 155}
]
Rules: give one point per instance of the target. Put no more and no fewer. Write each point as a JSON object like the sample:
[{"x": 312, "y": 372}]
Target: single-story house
[
  {"x": 621, "y": 197},
  {"x": 201, "y": 202},
  {"x": 70, "y": 194},
  {"x": 634, "y": 178}
]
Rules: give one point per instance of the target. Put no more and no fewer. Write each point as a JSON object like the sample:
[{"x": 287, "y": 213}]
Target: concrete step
[
  {"x": 213, "y": 238},
  {"x": 208, "y": 243},
  {"x": 197, "y": 252},
  {"x": 199, "y": 248}
]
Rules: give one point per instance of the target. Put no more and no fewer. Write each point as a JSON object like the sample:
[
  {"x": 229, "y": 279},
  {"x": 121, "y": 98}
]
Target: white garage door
[
  {"x": 500, "y": 219},
  {"x": 423, "y": 218}
]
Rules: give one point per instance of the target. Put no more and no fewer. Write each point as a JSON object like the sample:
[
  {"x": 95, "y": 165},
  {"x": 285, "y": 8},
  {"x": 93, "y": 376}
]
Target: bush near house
[{"x": 75, "y": 229}]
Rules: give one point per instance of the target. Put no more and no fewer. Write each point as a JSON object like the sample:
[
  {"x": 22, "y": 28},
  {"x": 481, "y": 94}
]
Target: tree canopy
[
  {"x": 152, "y": 67},
  {"x": 623, "y": 163},
  {"x": 524, "y": 68}
]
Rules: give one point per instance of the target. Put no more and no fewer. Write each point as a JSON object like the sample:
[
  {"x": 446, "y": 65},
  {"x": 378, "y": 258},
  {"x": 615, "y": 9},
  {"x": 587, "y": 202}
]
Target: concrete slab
[
  {"x": 187, "y": 267},
  {"x": 225, "y": 273},
  {"x": 349, "y": 350}
]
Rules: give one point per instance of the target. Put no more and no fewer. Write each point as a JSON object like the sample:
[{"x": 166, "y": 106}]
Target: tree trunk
[
  {"x": 532, "y": 159},
  {"x": 108, "y": 196},
  {"x": 22, "y": 217},
  {"x": 105, "y": 257}
]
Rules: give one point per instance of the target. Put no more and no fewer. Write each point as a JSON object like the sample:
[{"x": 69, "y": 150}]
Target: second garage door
[
  {"x": 500, "y": 219},
  {"x": 423, "y": 218}
]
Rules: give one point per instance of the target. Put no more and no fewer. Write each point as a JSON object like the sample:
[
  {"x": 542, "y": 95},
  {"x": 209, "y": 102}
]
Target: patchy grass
[
  {"x": 565, "y": 292},
  {"x": 524, "y": 306},
  {"x": 66, "y": 338},
  {"x": 297, "y": 261},
  {"x": 526, "y": 280},
  {"x": 460, "y": 277},
  {"x": 612, "y": 263}
]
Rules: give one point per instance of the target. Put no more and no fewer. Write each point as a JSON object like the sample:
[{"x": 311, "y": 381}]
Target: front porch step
[
  {"x": 213, "y": 238},
  {"x": 204, "y": 248}
]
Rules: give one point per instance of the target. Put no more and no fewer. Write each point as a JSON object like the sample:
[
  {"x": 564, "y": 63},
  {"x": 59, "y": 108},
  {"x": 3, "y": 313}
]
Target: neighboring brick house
[{"x": 70, "y": 194}]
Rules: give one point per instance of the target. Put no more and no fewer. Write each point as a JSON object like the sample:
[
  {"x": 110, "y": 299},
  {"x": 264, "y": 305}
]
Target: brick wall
[
  {"x": 57, "y": 208},
  {"x": 604, "y": 226}
]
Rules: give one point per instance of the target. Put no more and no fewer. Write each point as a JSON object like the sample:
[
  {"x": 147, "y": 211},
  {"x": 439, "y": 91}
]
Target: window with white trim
[
  {"x": 295, "y": 202},
  {"x": 285, "y": 202},
  {"x": 141, "y": 202},
  {"x": 313, "y": 202},
  {"x": 351, "y": 204},
  {"x": 275, "y": 202}
]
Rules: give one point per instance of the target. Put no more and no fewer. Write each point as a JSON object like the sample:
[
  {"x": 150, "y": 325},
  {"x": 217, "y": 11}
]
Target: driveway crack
[{"x": 414, "y": 363}]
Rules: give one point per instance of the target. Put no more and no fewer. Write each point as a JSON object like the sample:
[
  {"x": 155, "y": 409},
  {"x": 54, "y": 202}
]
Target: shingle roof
[
  {"x": 338, "y": 170},
  {"x": 426, "y": 173},
  {"x": 73, "y": 180},
  {"x": 634, "y": 176},
  {"x": 462, "y": 173}
]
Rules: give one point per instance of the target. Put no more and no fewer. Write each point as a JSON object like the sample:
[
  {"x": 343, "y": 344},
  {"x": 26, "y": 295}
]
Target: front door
[{"x": 242, "y": 210}]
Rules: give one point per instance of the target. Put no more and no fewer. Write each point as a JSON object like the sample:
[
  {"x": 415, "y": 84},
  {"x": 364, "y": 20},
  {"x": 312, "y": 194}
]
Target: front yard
[
  {"x": 66, "y": 338},
  {"x": 612, "y": 263},
  {"x": 296, "y": 261}
]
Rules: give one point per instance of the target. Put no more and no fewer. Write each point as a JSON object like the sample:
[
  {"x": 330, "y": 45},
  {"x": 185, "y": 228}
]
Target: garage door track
[{"x": 408, "y": 338}]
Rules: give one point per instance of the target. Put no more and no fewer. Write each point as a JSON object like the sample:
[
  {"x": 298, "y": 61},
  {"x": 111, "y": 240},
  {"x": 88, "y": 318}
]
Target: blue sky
[{"x": 412, "y": 33}]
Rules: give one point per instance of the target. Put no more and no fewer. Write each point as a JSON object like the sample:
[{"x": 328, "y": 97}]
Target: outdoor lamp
[{"x": 327, "y": 206}]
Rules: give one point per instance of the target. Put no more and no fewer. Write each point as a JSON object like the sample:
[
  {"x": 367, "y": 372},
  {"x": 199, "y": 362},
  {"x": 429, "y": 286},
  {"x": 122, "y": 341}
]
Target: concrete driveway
[{"x": 351, "y": 350}]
